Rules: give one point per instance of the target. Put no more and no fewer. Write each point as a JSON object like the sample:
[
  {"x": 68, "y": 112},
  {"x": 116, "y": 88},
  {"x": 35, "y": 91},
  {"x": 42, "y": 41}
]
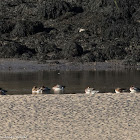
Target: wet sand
[
  {"x": 16, "y": 65},
  {"x": 105, "y": 116}
]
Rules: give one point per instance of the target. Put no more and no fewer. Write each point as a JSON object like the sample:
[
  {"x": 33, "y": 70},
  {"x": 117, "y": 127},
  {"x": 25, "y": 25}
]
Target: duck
[
  {"x": 45, "y": 89},
  {"x": 90, "y": 90},
  {"x": 134, "y": 89},
  {"x": 36, "y": 90},
  {"x": 58, "y": 88},
  {"x": 120, "y": 90},
  {"x": 2, "y": 91},
  {"x": 40, "y": 90}
]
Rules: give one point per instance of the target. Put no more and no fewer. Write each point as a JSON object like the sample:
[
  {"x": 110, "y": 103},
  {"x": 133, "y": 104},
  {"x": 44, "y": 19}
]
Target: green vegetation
[{"x": 116, "y": 4}]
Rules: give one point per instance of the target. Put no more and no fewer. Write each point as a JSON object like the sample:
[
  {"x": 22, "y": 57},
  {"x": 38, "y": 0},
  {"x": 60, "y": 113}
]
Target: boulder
[
  {"x": 9, "y": 49},
  {"x": 25, "y": 28},
  {"x": 72, "y": 50},
  {"x": 56, "y": 9}
]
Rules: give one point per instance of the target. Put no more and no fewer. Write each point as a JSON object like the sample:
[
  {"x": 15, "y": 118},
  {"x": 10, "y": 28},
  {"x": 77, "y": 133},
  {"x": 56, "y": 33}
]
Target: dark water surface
[{"x": 75, "y": 81}]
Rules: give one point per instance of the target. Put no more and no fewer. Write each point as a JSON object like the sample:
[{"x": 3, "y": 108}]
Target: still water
[{"x": 75, "y": 81}]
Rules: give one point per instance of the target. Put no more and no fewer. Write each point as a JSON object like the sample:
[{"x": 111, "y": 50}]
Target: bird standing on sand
[
  {"x": 89, "y": 90},
  {"x": 58, "y": 89},
  {"x": 2, "y": 91},
  {"x": 134, "y": 89},
  {"x": 120, "y": 90}
]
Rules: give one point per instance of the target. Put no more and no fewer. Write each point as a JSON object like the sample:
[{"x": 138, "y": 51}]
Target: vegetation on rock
[{"x": 49, "y": 29}]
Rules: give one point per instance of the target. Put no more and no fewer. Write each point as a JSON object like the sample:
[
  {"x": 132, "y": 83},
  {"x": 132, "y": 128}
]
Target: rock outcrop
[{"x": 52, "y": 29}]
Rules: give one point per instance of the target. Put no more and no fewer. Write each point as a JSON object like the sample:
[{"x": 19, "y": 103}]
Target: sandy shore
[
  {"x": 16, "y": 65},
  {"x": 104, "y": 116}
]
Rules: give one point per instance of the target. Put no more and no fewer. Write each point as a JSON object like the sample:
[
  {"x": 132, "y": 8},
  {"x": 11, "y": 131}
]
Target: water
[{"x": 75, "y": 81}]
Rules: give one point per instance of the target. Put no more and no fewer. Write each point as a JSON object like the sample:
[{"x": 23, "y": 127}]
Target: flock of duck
[
  {"x": 56, "y": 89},
  {"x": 60, "y": 89},
  {"x": 117, "y": 90}
]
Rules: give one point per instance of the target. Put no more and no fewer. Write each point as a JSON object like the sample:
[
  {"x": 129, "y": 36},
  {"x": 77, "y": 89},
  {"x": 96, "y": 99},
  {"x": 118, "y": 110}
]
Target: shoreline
[
  {"x": 16, "y": 65},
  {"x": 101, "y": 116}
]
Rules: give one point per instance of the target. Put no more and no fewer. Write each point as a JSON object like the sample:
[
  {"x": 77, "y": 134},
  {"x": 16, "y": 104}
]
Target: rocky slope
[{"x": 77, "y": 30}]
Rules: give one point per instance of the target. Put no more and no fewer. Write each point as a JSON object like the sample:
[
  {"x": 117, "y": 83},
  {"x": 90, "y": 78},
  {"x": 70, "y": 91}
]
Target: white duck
[
  {"x": 134, "y": 89},
  {"x": 58, "y": 89},
  {"x": 89, "y": 90}
]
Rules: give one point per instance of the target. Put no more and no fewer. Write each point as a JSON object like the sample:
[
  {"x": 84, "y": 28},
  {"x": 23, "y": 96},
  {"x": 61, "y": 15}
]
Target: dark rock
[
  {"x": 13, "y": 50},
  {"x": 110, "y": 29},
  {"x": 89, "y": 57},
  {"x": 114, "y": 52},
  {"x": 46, "y": 48},
  {"x": 12, "y": 3},
  {"x": 47, "y": 51},
  {"x": 136, "y": 15},
  {"x": 72, "y": 50},
  {"x": 77, "y": 9},
  {"x": 98, "y": 54},
  {"x": 57, "y": 9},
  {"x": 6, "y": 26},
  {"x": 25, "y": 28},
  {"x": 35, "y": 40},
  {"x": 133, "y": 52}
]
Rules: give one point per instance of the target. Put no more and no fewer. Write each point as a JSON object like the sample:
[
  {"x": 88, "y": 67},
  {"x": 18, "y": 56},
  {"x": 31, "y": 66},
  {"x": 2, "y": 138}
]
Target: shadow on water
[{"x": 75, "y": 81}]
